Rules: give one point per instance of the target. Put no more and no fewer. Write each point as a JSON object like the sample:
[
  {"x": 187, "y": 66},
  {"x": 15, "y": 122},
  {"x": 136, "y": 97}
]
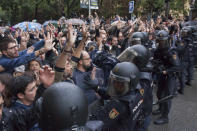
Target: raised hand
[
  {"x": 119, "y": 25},
  {"x": 36, "y": 33},
  {"x": 58, "y": 23},
  {"x": 48, "y": 41},
  {"x": 72, "y": 35},
  {"x": 84, "y": 30},
  {"x": 27, "y": 26},
  {"x": 55, "y": 51},
  {"x": 47, "y": 76},
  {"x": 96, "y": 15},
  {"x": 93, "y": 75},
  {"x": 97, "y": 22},
  {"x": 99, "y": 41}
]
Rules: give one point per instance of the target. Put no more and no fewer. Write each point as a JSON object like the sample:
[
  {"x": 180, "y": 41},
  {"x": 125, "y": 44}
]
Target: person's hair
[
  {"x": 92, "y": 31},
  {"x": 4, "y": 43},
  {"x": 7, "y": 80},
  {"x": 81, "y": 56},
  {"x": 21, "y": 82},
  {"x": 114, "y": 37}
]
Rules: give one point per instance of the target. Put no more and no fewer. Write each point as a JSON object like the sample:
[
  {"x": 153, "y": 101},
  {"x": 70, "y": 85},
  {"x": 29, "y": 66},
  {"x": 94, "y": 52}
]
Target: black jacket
[
  {"x": 168, "y": 59},
  {"x": 18, "y": 119},
  {"x": 119, "y": 114},
  {"x": 21, "y": 119}
]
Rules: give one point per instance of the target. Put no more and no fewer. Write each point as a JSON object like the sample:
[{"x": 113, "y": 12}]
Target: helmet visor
[
  {"x": 127, "y": 55},
  {"x": 118, "y": 85},
  {"x": 136, "y": 41}
]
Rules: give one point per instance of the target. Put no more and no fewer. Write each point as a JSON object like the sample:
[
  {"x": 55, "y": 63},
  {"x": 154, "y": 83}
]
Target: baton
[{"x": 165, "y": 99}]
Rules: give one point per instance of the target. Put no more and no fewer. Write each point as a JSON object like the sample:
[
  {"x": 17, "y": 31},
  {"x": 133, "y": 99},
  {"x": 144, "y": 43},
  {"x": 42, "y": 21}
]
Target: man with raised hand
[{"x": 12, "y": 58}]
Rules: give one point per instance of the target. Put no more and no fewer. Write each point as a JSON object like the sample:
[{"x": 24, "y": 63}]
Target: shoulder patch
[
  {"x": 142, "y": 92},
  {"x": 174, "y": 56},
  {"x": 113, "y": 113},
  {"x": 116, "y": 69},
  {"x": 182, "y": 44}
]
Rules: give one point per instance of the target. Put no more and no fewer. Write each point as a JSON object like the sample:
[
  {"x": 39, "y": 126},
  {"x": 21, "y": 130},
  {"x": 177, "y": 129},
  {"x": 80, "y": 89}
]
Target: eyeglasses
[{"x": 11, "y": 48}]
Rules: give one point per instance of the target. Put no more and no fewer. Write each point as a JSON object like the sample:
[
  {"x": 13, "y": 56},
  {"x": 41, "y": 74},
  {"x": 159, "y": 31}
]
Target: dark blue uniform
[
  {"x": 181, "y": 50},
  {"x": 146, "y": 90},
  {"x": 120, "y": 114},
  {"x": 188, "y": 59},
  {"x": 166, "y": 82}
]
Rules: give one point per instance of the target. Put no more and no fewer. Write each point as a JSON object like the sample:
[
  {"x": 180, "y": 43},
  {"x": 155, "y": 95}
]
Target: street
[{"x": 183, "y": 115}]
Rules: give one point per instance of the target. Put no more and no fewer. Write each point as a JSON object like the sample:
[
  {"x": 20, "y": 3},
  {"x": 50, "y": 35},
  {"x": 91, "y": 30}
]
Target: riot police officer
[
  {"x": 180, "y": 48},
  {"x": 188, "y": 58},
  {"x": 64, "y": 107},
  {"x": 139, "y": 55},
  {"x": 136, "y": 54},
  {"x": 183, "y": 49},
  {"x": 138, "y": 38},
  {"x": 122, "y": 110},
  {"x": 194, "y": 38},
  {"x": 167, "y": 69},
  {"x": 143, "y": 39}
]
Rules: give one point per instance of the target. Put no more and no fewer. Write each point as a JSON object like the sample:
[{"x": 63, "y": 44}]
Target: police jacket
[
  {"x": 168, "y": 60},
  {"x": 188, "y": 50},
  {"x": 147, "y": 96},
  {"x": 146, "y": 89},
  {"x": 120, "y": 114}
]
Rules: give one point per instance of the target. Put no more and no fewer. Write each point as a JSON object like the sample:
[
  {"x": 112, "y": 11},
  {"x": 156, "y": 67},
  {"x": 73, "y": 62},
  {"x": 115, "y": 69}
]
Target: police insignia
[
  {"x": 174, "y": 57},
  {"x": 113, "y": 113},
  {"x": 116, "y": 69},
  {"x": 142, "y": 92},
  {"x": 182, "y": 44}
]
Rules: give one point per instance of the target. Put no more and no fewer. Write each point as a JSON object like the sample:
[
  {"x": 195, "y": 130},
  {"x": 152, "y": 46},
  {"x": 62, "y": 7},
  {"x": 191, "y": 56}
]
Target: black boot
[
  {"x": 161, "y": 120},
  {"x": 180, "y": 91},
  {"x": 188, "y": 83}
]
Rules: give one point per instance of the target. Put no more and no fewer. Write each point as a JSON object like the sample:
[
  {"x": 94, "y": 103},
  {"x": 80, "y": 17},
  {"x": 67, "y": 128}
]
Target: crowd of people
[{"x": 98, "y": 75}]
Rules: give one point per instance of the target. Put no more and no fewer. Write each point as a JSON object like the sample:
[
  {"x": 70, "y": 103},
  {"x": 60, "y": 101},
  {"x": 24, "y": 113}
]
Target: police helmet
[
  {"x": 137, "y": 54},
  {"x": 186, "y": 31},
  {"x": 162, "y": 39},
  {"x": 136, "y": 38},
  {"x": 139, "y": 38},
  {"x": 123, "y": 78},
  {"x": 194, "y": 34},
  {"x": 64, "y": 107}
]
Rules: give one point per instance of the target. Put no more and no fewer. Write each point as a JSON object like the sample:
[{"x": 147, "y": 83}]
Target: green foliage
[
  {"x": 16, "y": 11},
  {"x": 178, "y": 6}
]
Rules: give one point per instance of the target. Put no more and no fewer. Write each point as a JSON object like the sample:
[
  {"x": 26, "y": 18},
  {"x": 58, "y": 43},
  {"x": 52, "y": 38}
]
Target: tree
[{"x": 26, "y": 10}]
